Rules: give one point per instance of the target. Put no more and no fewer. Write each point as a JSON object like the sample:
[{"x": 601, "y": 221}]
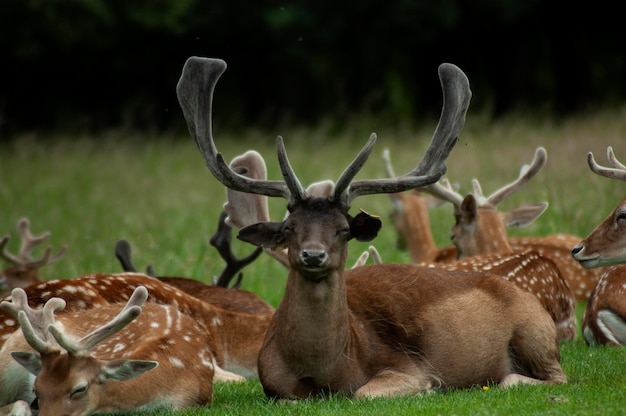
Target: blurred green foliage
[{"x": 93, "y": 64}]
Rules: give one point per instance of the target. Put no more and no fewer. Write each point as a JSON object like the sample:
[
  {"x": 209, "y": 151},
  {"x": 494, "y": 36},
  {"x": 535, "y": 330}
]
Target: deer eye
[
  {"x": 343, "y": 231},
  {"x": 79, "y": 391}
]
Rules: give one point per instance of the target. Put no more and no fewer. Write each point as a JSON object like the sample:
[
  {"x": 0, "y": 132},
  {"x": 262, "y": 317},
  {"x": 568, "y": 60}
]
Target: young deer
[
  {"x": 24, "y": 269},
  {"x": 238, "y": 335},
  {"x": 379, "y": 330},
  {"x": 107, "y": 360},
  {"x": 604, "y": 320}
]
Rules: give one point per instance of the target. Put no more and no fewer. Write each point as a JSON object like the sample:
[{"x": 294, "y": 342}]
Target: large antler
[
  {"x": 617, "y": 172},
  {"x": 195, "y": 93},
  {"x": 84, "y": 346},
  {"x": 23, "y": 259}
]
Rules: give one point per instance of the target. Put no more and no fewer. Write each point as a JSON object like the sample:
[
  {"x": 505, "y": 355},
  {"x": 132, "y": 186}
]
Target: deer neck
[
  {"x": 417, "y": 233},
  {"x": 316, "y": 314}
]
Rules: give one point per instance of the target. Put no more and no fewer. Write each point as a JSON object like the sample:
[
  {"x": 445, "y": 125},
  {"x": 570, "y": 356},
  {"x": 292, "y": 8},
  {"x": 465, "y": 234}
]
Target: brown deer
[
  {"x": 604, "y": 319},
  {"x": 24, "y": 269},
  {"x": 481, "y": 228},
  {"x": 218, "y": 293},
  {"x": 479, "y": 236},
  {"x": 379, "y": 330},
  {"x": 239, "y": 335},
  {"x": 107, "y": 360}
]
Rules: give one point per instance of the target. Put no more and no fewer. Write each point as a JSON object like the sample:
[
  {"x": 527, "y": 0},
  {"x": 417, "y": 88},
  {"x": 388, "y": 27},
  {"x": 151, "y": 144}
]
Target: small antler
[
  {"x": 222, "y": 241},
  {"x": 123, "y": 254},
  {"x": 34, "y": 322},
  {"x": 195, "y": 94},
  {"x": 83, "y": 347},
  {"x": 23, "y": 259},
  {"x": 617, "y": 172}
]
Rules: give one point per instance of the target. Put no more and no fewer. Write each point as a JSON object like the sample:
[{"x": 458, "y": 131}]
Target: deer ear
[
  {"x": 122, "y": 370},
  {"x": 469, "y": 209},
  {"x": 365, "y": 227},
  {"x": 28, "y": 360},
  {"x": 523, "y": 215},
  {"x": 263, "y": 234}
]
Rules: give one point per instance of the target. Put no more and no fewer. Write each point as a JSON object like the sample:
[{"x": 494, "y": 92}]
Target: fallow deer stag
[
  {"x": 604, "y": 320},
  {"x": 479, "y": 236},
  {"x": 238, "y": 335},
  {"x": 379, "y": 330},
  {"x": 24, "y": 269},
  {"x": 106, "y": 360},
  {"x": 488, "y": 229}
]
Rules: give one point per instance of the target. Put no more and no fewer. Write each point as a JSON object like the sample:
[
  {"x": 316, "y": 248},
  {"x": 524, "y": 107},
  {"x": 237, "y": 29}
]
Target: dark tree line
[{"x": 93, "y": 64}]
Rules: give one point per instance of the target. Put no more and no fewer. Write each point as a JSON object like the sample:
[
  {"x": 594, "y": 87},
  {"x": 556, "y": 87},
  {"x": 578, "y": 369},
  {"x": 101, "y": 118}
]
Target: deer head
[
  {"x": 606, "y": 244},
  {"x": 24, "y": 269},
  {"x": 480, "y": 228},
  {"x": 313, "y": 255}
]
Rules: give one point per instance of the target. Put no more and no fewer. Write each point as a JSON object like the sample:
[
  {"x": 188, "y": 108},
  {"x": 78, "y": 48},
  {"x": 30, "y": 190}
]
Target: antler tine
[
  {"x": 536, "y": 165},
  {"x": 456, "y": 98},
  {"x": 388, "y": 165},
  {"x": 195, "y": 96},
  {"x": 33, "y": 321},
  {"x": 478, "y": 191},
  {"x": 29, "y": 241},
  {"x": 444, "y": 190},
  {"x": 296, "y": 189},
  {"x": 617, "y": 172},
  {"x": 222, "y": 241},
  {"x": 84, "y": 346},
  {"x": 123, "y": 254}
]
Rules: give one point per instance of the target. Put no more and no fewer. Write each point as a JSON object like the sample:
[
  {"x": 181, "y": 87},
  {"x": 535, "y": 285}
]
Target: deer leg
[
  {"x": 392, "y": 382},
  {"x": 612, "y": 326}
]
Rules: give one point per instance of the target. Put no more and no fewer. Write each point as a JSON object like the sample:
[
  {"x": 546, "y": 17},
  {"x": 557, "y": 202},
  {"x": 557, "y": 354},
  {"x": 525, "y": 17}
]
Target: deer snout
[{"x": 313, "y": 257}]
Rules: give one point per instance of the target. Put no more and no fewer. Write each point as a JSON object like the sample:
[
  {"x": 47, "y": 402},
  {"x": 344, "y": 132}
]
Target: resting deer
[
  {"x": 24, "y": 269},
  {"x": 219, "y": 293},
  {"x": 481, "y": 228},
  {"x": 379, "y": 330},
  {"x": 238, "y": 335},
  {"x": 604, "y": 320},
  {"x": 480, "y": 238},
  {"x": 107, "y": 360}
]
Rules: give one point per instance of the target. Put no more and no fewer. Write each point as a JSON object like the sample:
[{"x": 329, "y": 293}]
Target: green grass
[{"x": 157, "y": 193}]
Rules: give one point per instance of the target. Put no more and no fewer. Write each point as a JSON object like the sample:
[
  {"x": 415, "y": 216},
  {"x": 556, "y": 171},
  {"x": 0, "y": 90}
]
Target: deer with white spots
[
  {"x": 24, "y": 269},
  {"x": 238, "y": 335},
  {"x": 604, "y": 320},
  {"x": 483, "y": 229},
  {"x": 379, "y": 330},
  {"x": 218, "y": 293},
  {"x": 480, "y": 240},
  {"x": 113, "y": 357}
]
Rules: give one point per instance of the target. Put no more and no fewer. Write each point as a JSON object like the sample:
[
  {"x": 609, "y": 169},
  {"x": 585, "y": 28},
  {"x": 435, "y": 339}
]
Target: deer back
[{"x": 239, "y": 335}]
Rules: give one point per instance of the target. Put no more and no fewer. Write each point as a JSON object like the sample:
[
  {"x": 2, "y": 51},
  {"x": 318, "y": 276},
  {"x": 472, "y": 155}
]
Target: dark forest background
[{"x": 90, "y": 65}]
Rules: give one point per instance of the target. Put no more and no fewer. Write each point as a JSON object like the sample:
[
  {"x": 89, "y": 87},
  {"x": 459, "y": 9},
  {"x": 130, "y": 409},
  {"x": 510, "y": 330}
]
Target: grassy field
[{"x": 157, "y": 193}]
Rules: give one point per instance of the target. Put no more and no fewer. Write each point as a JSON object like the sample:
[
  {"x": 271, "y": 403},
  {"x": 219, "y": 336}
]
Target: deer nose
[{"x": 313, "y": 258}]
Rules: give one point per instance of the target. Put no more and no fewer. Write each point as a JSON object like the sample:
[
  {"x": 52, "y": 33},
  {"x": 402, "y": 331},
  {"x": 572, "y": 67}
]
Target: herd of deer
[{"x": 133, "y": 341}]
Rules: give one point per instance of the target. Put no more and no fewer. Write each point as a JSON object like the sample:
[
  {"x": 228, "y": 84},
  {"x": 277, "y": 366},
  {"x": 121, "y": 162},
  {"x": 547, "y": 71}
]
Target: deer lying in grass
[
  {"x": 107, "y": 360},
  {"x": 479, "y": 236},
  {"x": 24, "y": 269},
  {"x": 481, "y": 228},
  {"x": 238, "y": 335},
  {"x": 380, "y": 330},
  {"x": 604, "y": 320},
  {"x": 219, "y": 293}
]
